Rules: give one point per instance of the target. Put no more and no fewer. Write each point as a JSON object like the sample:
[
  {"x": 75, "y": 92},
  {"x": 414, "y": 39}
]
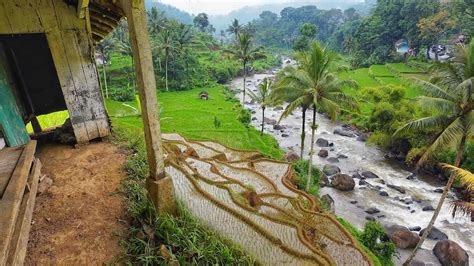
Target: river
[{"x": 396, "y": 208}]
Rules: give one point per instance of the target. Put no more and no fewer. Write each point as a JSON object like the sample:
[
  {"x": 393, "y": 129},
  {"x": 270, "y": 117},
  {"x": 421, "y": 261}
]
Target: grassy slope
[{"x": 185, "y": 113}]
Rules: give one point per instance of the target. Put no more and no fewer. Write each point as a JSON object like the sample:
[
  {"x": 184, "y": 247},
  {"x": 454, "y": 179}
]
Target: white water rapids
[{"x": 362, "y": 157}]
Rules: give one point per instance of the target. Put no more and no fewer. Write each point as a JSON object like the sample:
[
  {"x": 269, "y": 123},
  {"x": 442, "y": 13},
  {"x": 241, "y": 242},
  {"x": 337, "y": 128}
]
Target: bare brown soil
[{"x": 79, "y": 219}]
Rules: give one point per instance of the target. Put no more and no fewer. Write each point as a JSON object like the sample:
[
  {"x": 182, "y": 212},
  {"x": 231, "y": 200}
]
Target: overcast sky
[{"x": 216, "y": 7}]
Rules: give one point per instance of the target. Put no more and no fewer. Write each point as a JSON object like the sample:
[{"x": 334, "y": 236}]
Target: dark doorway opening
[{"x": 37, "y": 86}]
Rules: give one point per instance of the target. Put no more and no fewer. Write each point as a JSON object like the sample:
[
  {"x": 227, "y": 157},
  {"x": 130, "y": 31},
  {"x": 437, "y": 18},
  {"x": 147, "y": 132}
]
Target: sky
[{"x": 216, "y": 7}]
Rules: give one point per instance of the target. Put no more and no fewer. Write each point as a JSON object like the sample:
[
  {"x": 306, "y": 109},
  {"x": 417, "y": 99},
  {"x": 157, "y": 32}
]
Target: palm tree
[
  {"x": 450, "y": 96},
  {"x": 104, "y": 48},
  {"x": 315, "y": 79},
  {"x": 167, "y": 46},
  {"x": 156, "y": 21},
  {"x": 262, "y": 97},
  {"x": 246, "y": 53},
  {"x": 235, "y": 27},
  {"x": 296, "y": 97}
]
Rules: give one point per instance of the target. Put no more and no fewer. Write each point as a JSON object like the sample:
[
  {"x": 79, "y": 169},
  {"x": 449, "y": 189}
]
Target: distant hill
[
  {"x": 248, "y": 13},
  {"x": 170, "y": 11}
]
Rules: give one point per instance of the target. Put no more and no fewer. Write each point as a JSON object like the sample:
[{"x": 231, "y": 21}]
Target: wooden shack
[{"x": 47, "y": 65}]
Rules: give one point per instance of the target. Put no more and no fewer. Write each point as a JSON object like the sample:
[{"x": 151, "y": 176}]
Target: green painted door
[{"x": 11, "y": 122}]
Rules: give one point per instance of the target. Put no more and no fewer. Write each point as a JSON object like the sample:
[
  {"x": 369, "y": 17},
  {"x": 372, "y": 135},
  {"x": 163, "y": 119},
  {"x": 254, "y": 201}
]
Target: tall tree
[
  {"x": 104, "y": 48},
  {"x": 168, "y": 47},
  {"x": 262, "y": 97},
  {"x": 201, "y": 21},
  {"x": 246, "y": 52},
  {"x": 450, "y": 95},
  {"x": 431, "y": 28},
  {"x": 235, "y": 27},
  {"x": 296, "y": 97},
  {"x": 314, "y": 75}
]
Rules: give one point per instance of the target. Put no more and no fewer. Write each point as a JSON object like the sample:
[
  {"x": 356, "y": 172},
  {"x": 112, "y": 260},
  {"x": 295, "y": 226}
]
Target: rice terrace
[{"x": 170, "y": 132}]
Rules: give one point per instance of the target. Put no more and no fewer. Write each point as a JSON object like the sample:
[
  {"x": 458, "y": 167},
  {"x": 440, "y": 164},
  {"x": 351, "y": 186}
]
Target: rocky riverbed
[{"x": 372, "y": 187}]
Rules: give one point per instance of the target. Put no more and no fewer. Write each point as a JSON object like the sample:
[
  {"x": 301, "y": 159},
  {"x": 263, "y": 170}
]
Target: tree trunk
[
  {"x": 105, "y": 82},
  {"x": 245, "y": 80},
  {"x": 311, "y": 151},
  {"x": 303, "y": 133},
  {"x": 263, "y": 120},
  {"x": 166, "y": 72},
  {"x": 457, "y": 163}
]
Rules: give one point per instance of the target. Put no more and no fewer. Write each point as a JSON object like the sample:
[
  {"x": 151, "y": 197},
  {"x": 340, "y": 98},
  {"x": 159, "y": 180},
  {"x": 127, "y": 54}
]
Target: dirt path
[{"x": 78, "y": 220}]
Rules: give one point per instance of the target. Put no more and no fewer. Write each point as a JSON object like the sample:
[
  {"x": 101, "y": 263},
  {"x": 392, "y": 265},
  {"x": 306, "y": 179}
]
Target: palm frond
[
  {"x": 466, "y": 178},
  {"x": 424, "y": 124},
  {"x": 434, "y": 91},
  {"x": 293, "y": 106},
  {"x": 439, "y": 104},
  {"x": 449, "y": 137}
]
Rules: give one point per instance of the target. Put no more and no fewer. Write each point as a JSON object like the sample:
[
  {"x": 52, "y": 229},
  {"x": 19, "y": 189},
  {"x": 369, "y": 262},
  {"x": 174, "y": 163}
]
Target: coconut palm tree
[
  {"x": 315, "y": 78},
  {"x": 449, "y": 95},
  {"x": 235, "y": 27},
  {"x": 262, "y": 97},
  {"x": 168, "y": 47},
  {"x": 296, "y": 97},
  {"x": 245, "y": 51}
]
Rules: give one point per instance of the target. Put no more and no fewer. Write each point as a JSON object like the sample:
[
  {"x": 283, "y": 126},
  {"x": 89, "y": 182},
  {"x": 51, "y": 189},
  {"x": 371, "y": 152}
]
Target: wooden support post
[
  {"x": 36, "y": 125},
  {"x": 159, "y": 185}
]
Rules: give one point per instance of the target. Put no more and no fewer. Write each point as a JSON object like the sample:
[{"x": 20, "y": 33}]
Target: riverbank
[{"x": 399, "y": 196}]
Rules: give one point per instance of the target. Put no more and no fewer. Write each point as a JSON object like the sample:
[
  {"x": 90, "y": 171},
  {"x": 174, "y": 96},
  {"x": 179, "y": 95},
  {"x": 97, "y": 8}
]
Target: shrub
[
  {"x": 244, "y": 116},
  {"x": 301, "y": 169},
  {"x": 381, "y": 139},
  {"x": 371, "y": 238}
]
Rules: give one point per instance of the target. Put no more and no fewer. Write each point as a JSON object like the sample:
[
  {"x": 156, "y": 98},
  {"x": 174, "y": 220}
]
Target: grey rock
[
  {"x": 383, "y": 194},
  {"x": 363, "y": 183},
  {"x": 333, "y": 160},
  {"x": 357, "y": 175},
  {"x": 397, "y": 188},
  {"x": 278, "y": 127},
  {"x": 415, "y": 228},
  {"x": 369, "y": 174},
  {"x": 363, "y": 137},
  {"x": 438, "y": 190},
  {"x": 343, "y": 132},
  {"x": 342, "y": 156},
  {"x": 330, "y": 169},
  {"x": 270, "y": 121},
  {"x": 372, "y": 210},
  {"x": 370, "y": 218},
  {"x": 353, "y": 201},
  {"x": 329, "y": 202},
  {"x": 435, "y": 234},
  {"x": 322, "y": 142},
  {"x": 428, "y": 208},
  {"x": 292, "y": 156}
]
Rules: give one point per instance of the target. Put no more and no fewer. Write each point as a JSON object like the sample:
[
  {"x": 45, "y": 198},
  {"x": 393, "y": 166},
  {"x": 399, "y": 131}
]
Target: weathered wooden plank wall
[{"x": 71, "y": 50}]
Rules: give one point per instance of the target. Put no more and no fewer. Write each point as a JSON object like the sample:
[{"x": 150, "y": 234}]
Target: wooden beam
[
  {"x": 82, "y": 6},
  {"x": 159, "y": 185}
]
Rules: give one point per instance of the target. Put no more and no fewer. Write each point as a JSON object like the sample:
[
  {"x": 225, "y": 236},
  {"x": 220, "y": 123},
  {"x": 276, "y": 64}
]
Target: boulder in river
[
  {"x": 343, "y": 132},
  {"x": 329, "y": 202},
  {"x": 322, "y": 142},
  {"x": 363, "y": 137},
  {"x": 450, "y": 253},
  {"x": 362, "y": 182},
  {"x": 323, "y": 180},
  {"x": 323, "y": 153},
  {"x": 415, "y": 228},
  {"x": 333, "y": 160},
  {"x": 424, "y": 257},
  {"x": 343, "y": 182},
  {"x": 330, "y": 169},
  {"x": 402, "y": 237},
  {"x": 369, "y": 174},
  {"x": 292, "y": 156},
  {"x": 285, "y": 135},
  {"x": 342, "y": 156},
  {"x": 270, "y": 121},
  {"x": 372, "y": 210},
  {"x": 357, "y": 175},
  {"x": 438, "y": 190},
  {"x": 254, "y": 118},
  {"x": 370, "y": 218},
  {"x": 428, "y": 208},
  {"x": 383, "y": 193},
  {"x": 278, "y": 127},
  {"x": 397, "y": 188},
  {"x": 435, "y": 234}
]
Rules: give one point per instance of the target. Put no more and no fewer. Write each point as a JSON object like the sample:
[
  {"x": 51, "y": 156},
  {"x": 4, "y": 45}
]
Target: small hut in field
[{"x": 46, "y": 65}]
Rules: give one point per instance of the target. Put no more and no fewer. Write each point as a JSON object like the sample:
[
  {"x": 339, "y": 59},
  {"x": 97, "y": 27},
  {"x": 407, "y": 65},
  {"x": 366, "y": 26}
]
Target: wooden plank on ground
[
  {"x": 11, "y": 200},
  {"x": 8, "y": 160},
  {"x": 17, "y": 253}
]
